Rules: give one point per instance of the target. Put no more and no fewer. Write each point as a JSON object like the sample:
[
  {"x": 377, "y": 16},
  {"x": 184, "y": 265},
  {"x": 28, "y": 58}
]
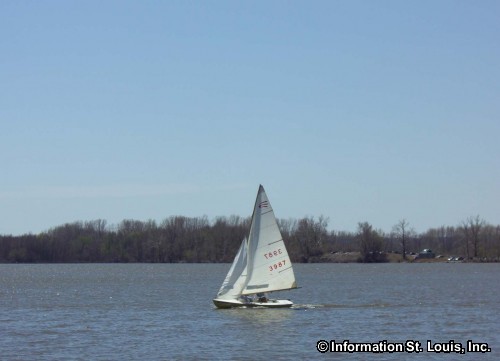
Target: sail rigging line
[
  {"x": 283, "y": 270},
  {"x": 275, "y": 242}
]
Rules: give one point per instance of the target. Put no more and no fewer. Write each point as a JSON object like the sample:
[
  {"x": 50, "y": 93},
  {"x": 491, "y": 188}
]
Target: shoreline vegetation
[{"x": 180, "y": 239}]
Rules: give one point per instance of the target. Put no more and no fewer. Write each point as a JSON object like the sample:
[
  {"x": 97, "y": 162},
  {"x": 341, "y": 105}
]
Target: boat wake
[
  {"x": 331, "y": 305},
  {"x": 305, "y": 307}
]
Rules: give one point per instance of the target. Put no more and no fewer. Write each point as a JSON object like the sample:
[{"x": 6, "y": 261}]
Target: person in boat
[
  {"x": 261, "y": 297},
  {"x": 246, "y": 299}
]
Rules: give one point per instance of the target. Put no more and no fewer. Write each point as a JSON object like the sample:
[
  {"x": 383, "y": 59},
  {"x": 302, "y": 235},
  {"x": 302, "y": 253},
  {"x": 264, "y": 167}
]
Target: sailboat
[{"x": 261, "y": 265}]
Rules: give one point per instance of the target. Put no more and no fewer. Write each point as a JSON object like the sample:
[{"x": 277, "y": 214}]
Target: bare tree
[
  {"x": 310, "y": 235},
  {"x": 371, "y": 243},
  {"x": 497, "y": 239},
  {"x": 402, "y": 231},
  {"x": 471, "y": 229}
]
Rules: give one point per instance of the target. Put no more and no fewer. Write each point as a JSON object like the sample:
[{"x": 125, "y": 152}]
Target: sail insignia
[{"x": 252, "y": 287}]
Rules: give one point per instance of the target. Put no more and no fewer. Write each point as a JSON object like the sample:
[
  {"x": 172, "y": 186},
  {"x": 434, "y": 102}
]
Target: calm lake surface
[{"x": 165, "y": 312}]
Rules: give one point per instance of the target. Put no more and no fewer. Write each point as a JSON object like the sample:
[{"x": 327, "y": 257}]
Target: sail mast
[{"x": 252, "y": 243}]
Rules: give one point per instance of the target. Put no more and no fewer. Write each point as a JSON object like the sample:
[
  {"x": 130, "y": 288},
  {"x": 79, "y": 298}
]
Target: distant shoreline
[
  {"x": 338, "y": 257},
  {"x": 354, "y": 257}
]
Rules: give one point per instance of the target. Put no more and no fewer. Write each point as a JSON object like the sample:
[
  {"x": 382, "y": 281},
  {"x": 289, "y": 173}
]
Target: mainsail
[
  {"x": 269, "y": 267},
  {"x": 235, "y": 280}
]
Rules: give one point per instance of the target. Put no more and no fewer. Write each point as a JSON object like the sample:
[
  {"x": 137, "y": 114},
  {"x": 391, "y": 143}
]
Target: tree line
[{"x": 194, "y": 240}]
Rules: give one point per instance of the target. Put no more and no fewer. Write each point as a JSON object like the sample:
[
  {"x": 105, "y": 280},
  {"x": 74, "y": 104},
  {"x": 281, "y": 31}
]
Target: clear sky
[{"x": 356, "y": 110}]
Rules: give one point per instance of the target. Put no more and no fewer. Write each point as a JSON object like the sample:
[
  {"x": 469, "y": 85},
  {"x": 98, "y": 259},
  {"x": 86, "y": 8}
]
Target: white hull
[{"x": 236, "y": 303}]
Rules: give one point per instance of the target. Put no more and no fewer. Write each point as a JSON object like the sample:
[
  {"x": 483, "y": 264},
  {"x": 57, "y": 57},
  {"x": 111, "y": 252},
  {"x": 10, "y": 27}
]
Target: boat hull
[{"x": 219, "y": 303}]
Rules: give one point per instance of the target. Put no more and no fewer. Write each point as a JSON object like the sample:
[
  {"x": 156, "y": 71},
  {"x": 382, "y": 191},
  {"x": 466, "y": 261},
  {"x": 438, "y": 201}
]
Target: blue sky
[{"x": 356, "y": 110}]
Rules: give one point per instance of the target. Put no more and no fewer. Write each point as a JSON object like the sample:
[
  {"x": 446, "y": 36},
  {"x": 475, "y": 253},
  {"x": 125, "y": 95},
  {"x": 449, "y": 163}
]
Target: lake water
[{"x": 165, "y": 312}]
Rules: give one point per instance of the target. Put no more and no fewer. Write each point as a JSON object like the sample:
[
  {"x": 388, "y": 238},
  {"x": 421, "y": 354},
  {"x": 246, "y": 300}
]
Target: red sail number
[
  {"x": 271, "y": 254},
  {"x": 277, "y": 265}
]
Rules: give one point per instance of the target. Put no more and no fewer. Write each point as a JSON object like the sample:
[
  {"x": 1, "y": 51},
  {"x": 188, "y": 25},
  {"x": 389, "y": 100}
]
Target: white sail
[
  {"x": 235, "y": 280},
  {"x": 269, "y": 267}
]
